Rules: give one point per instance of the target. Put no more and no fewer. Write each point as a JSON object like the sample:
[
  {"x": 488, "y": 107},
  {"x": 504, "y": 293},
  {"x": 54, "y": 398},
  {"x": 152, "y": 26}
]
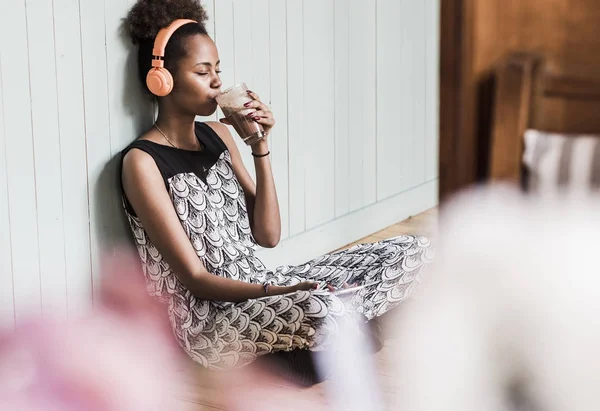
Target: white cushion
[{"x": 565, "y": 161}]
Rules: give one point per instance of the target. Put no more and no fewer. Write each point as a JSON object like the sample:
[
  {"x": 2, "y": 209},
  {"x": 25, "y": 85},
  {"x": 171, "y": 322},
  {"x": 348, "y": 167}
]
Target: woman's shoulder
[
  {"x": 140, "y": 152},
  {"x": 137, "y": 157}
]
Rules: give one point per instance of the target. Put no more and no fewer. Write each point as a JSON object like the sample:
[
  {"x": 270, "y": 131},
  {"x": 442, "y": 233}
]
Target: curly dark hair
[{"x": 147, "y": 17}]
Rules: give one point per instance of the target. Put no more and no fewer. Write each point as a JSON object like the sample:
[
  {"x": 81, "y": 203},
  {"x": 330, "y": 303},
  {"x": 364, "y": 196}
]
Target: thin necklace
[{"x": 166, "y": 138}]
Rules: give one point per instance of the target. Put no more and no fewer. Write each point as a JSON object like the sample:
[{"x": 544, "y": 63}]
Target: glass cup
[{"x": 231, "y": 102}]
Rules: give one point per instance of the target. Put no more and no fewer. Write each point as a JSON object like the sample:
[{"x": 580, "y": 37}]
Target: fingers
[
  {"x": 263, "y": 117},
  {"x": 269, "y": 122},
  {"x": 309, "y": 285},
  {"x": 261, "y": 114},
  {"x": 257, "y": 104},
  {"x": 253, "y": 95}
]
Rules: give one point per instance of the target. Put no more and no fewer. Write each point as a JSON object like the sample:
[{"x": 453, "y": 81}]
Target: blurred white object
[
  {"x": 354, "y": 384},
  {"x": 508, "y": 318}
]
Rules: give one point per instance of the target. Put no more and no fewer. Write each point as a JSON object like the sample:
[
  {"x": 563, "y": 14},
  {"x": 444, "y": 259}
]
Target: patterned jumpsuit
[{"x": 211, "y": 207}]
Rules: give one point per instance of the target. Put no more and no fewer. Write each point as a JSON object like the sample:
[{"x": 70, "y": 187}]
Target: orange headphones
[{"x": 159, "y": 80}]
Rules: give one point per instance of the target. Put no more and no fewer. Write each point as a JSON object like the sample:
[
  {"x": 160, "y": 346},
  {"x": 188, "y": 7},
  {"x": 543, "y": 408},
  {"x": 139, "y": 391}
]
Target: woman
[{"x": 196, "y": 215}]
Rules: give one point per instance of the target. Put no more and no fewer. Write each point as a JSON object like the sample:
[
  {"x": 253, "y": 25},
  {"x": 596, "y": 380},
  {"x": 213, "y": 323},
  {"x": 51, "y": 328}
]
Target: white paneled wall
[{"x": 353, "y": 85}]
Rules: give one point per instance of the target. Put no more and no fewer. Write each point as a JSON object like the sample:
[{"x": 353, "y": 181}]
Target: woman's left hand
[{"x": 263, "y": 114}]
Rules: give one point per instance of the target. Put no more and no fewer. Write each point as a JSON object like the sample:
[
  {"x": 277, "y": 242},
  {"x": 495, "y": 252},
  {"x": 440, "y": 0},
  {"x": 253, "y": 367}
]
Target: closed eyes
[{"x": 206, "y": 74}]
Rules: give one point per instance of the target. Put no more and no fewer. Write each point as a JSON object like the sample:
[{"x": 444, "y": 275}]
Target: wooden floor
[
  {"x": 206, "y": 390},
  {"x": 422, "y": 224}
]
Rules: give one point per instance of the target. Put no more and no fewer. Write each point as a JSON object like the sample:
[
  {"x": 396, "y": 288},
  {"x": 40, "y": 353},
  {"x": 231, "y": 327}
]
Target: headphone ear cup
[{"x": 159, "y": 81}]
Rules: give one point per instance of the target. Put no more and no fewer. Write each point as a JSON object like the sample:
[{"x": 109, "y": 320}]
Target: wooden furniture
[
  {"x": 476, "y": 37},
  {"x": 528, "y": 94}
]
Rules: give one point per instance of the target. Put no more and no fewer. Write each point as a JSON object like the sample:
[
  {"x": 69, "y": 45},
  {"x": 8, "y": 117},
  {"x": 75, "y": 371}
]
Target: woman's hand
[
  {"x": 262, "y": 115},
  {"x": 306, "y": 286},
  {"x": 303, "y": 286}
]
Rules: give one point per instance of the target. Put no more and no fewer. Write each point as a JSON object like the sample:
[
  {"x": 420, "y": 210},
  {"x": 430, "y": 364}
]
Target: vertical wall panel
[
  {"x": 391, "y": 98},
  {"x": 244, "y": 62},
  {"x": 19, "y": 155},
  {"x": 225, "y": 43},
  {"x": 225, "y": 40},
  {"x": 363, "y": 101},
  {"x": 417, "y": 36},
  {"x": 71, "y": 116},
  {"x": 261, "y": 65},
  {"x": 342, "y": 106},
  {"x": 279, "y": 104},
  {"x": 130, "y": 110},
  {"x": 7, "y": 312},
  {"x": 261, "y": 50},
  {"x": 296, "y": 118},
  {"x": 103, "y": 210},
  {"x": 319, "y": 111},
  {"x": 47, "y": 154},
  {"x": 432, "y": 45},
  {"x": 209, "y": 5},
  {"x": 407, "y": 90}
]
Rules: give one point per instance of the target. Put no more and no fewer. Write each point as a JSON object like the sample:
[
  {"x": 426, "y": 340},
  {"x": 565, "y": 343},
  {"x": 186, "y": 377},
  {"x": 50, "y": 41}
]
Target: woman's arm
[
  {"x": 145, "y": 190},
  {"x": 261, "y": 198}
]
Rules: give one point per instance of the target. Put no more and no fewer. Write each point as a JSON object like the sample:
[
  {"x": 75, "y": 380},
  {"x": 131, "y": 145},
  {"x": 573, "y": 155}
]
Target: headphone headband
[{"x": 162, "y": 38}]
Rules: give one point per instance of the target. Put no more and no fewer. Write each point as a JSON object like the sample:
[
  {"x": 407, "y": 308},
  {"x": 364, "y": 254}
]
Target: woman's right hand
[
  {"x": 306, "y": 286},
  {"x": 303, "y": 286}
]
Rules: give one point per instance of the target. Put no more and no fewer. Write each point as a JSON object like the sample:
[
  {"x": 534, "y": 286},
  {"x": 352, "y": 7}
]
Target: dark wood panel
[
  {"x": 450, "y": 35},
  {"x": 528, "y": 95},
  {"x": 572, "y": 88},
  {"x": 513, "y": 98},
  {"x": 565, "y": 32},
  {"x": 566, "y": 115},
  {"x": 477, "y": 35},
  {"x": 456, "y": 45}
]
